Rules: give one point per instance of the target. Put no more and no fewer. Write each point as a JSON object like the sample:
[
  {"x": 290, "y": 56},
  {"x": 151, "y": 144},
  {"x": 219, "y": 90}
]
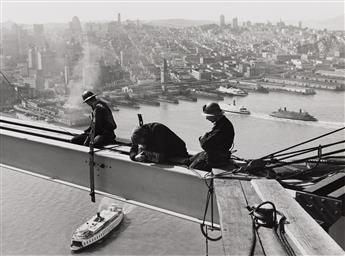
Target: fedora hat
[
  {"x": 88, "y": 95},
  {"x": 212, "y": 109}
]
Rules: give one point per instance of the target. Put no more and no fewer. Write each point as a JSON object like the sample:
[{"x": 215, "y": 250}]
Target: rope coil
[{"x": 267, "y": 217}]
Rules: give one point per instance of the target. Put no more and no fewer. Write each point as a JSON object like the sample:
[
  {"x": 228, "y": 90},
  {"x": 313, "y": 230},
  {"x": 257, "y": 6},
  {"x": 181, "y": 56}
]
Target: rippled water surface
[{"x": 38, "y": 216}]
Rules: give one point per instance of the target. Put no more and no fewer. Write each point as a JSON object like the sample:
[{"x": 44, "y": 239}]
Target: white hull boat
[
  {"x": 235, "y": 109},
  {"x": 96, "y": 228}
]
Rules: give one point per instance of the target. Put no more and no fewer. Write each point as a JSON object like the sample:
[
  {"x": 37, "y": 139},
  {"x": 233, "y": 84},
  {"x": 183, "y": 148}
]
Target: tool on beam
[
  {"x": 92, "y": 159},
  {"x": 140, "y": 118}
]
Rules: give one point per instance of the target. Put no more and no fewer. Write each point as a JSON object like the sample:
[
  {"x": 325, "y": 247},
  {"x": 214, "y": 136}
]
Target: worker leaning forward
[
  {"x": 104, "y": 123},
  {"x": 154, "y": 142},
  {"x": 216, "y": 143}
]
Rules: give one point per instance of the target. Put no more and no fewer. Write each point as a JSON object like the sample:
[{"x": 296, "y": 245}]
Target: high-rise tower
[
  {"x": 222, "y": 21},
  {"x": 164, "y": 72},
  {"x": 235, "y": 23},
  {"x": 119, "y": 18}
]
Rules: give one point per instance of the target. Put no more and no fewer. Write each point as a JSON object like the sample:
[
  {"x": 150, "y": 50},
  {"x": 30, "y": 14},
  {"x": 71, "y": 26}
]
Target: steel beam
[{"x": 174, "y": 189}]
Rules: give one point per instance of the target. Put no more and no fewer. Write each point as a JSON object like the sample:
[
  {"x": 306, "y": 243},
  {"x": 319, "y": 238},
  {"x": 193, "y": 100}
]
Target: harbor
[
  {"x": 151, "y": 129},
  {"x": 178, "y": 117}
]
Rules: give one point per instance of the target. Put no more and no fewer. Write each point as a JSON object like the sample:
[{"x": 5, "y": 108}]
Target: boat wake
[
  {"x": 323, "y": 124},
  {"x": 105, "y": 202}
]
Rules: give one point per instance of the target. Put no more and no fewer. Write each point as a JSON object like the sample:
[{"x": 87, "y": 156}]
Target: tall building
[
  {"x": 32, "y": 57},
  {"x": 75, "y": 28},
  {"x": 66, "y": 75},
  {"x": 164, "y": 72},
  {"x": 8, "y": 94},
  {"x": 300, "y": 24},
  {"x": 235, "y": 23},
  {"x": 39, "y": 60},
  {"x": 222, "y": 21},
  {"x": 119, "y": 18},
  {"x": 49, "y": 62},
  {"x": 75, "y": 25},
  {"x": 39, "y": 80},
  {"x": 122, "y": 59},
  {"x": 39, "y": 37}
]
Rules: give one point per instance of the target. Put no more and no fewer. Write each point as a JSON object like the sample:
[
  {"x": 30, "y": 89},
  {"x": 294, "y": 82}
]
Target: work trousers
[
  {"x": 99, "y": 141},
  {"x": 203, "y": 161}
]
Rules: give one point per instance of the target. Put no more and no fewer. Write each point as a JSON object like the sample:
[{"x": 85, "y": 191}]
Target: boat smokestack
[{"x": 98, "y": 215}]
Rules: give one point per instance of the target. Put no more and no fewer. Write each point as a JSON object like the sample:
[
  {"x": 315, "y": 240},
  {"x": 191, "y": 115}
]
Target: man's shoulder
[
  {"x": 157, "y": 125},
  {"x": 100, "y": 106},
  {"x": 224, "y": 121}
]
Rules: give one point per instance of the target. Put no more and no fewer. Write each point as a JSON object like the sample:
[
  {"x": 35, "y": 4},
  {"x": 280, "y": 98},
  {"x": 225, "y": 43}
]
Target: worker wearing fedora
[
  {"x": 103, "y": 122},
  {"x": 216, "y": 143}
]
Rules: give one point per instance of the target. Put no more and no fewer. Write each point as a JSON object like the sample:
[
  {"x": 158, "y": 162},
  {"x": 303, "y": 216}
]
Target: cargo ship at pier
[
  {"x": 286, "y": 114},
  {"x": 207, "y": 94},
  {"x": 232, "y": 91}
]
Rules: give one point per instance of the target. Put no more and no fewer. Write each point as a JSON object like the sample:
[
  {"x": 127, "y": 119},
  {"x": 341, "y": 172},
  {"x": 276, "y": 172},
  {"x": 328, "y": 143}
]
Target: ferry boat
[
  {"x": 302, "y": 116},
  {"x": 232, "y": 91},
  {"x": 97, "y": 227},
  {"x": 235, "y": 109}
]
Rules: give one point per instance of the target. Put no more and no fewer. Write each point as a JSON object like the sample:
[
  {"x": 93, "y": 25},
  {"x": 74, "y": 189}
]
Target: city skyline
[{"x": 256, "y": 11}]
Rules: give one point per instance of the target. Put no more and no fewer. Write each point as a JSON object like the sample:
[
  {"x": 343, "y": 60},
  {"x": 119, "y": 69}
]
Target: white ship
[
  {"x": 232, "y": 91},
  {"x": 235, "y": 109},
  {"x": 97, "y": 227}
]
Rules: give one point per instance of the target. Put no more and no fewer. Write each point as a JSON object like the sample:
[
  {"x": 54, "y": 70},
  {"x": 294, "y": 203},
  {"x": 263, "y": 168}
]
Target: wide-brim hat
[
  {"x": 88, "y": 95},
  {"x": 218, "y": 114},
  {"x": 212, "y": 109}
]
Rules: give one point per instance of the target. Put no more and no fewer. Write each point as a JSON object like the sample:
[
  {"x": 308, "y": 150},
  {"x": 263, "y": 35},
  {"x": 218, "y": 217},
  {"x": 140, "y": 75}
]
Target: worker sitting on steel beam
[
  {"x": 216, "y": 143},
  {"x": 104, "y": 124},
  {"x": 154, "y": 142}
]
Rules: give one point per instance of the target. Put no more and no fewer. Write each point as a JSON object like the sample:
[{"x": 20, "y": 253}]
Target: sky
[{"x": 62, "y": 11}]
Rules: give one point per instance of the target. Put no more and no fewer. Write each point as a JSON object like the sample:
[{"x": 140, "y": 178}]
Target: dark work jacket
[
  {"x": 218, "y": 141},
  {"x": 162, "y": 140},
  {"x": 104, "y": 121}
]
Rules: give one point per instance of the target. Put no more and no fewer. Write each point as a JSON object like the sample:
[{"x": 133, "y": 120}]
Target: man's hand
[{"x": 140, "y": 157}]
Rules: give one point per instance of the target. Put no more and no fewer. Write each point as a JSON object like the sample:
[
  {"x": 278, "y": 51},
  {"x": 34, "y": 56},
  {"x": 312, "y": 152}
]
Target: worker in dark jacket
[
  {"x": 216, "y": 143},
  {"x": 154, "y": 142},
  {"x": 103, "y": 122}
]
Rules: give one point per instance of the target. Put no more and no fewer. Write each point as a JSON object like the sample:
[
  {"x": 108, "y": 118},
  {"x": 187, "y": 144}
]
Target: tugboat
[
  {"x": 97, "y": 227},
  {"x": 235, "y": 109},
  {"x": 302, "y": 116}
]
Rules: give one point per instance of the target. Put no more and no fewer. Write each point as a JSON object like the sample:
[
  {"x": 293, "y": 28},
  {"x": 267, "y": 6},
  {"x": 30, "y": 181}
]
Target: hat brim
[
  {"x": 90, "y": 97},
  {"x": 218, "y": 114}
]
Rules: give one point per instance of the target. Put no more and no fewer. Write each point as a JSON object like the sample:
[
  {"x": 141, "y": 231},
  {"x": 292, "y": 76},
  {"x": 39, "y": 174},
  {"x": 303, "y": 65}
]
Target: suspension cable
[
  {"x": 302, "y": 143},
  {"x": 304, "y": 151},
  {"x": 305, "y": 159}
]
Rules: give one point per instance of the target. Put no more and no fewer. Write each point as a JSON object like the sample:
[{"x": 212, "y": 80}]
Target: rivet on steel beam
[
  {"x": 321, "y": 209},
  {"x": 323, "y": 200},
  {"x": 336, "y": 212}
]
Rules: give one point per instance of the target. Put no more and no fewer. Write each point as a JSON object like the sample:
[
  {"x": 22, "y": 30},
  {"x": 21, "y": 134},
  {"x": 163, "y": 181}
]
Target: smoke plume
[{"x": 86, "y": 73}]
